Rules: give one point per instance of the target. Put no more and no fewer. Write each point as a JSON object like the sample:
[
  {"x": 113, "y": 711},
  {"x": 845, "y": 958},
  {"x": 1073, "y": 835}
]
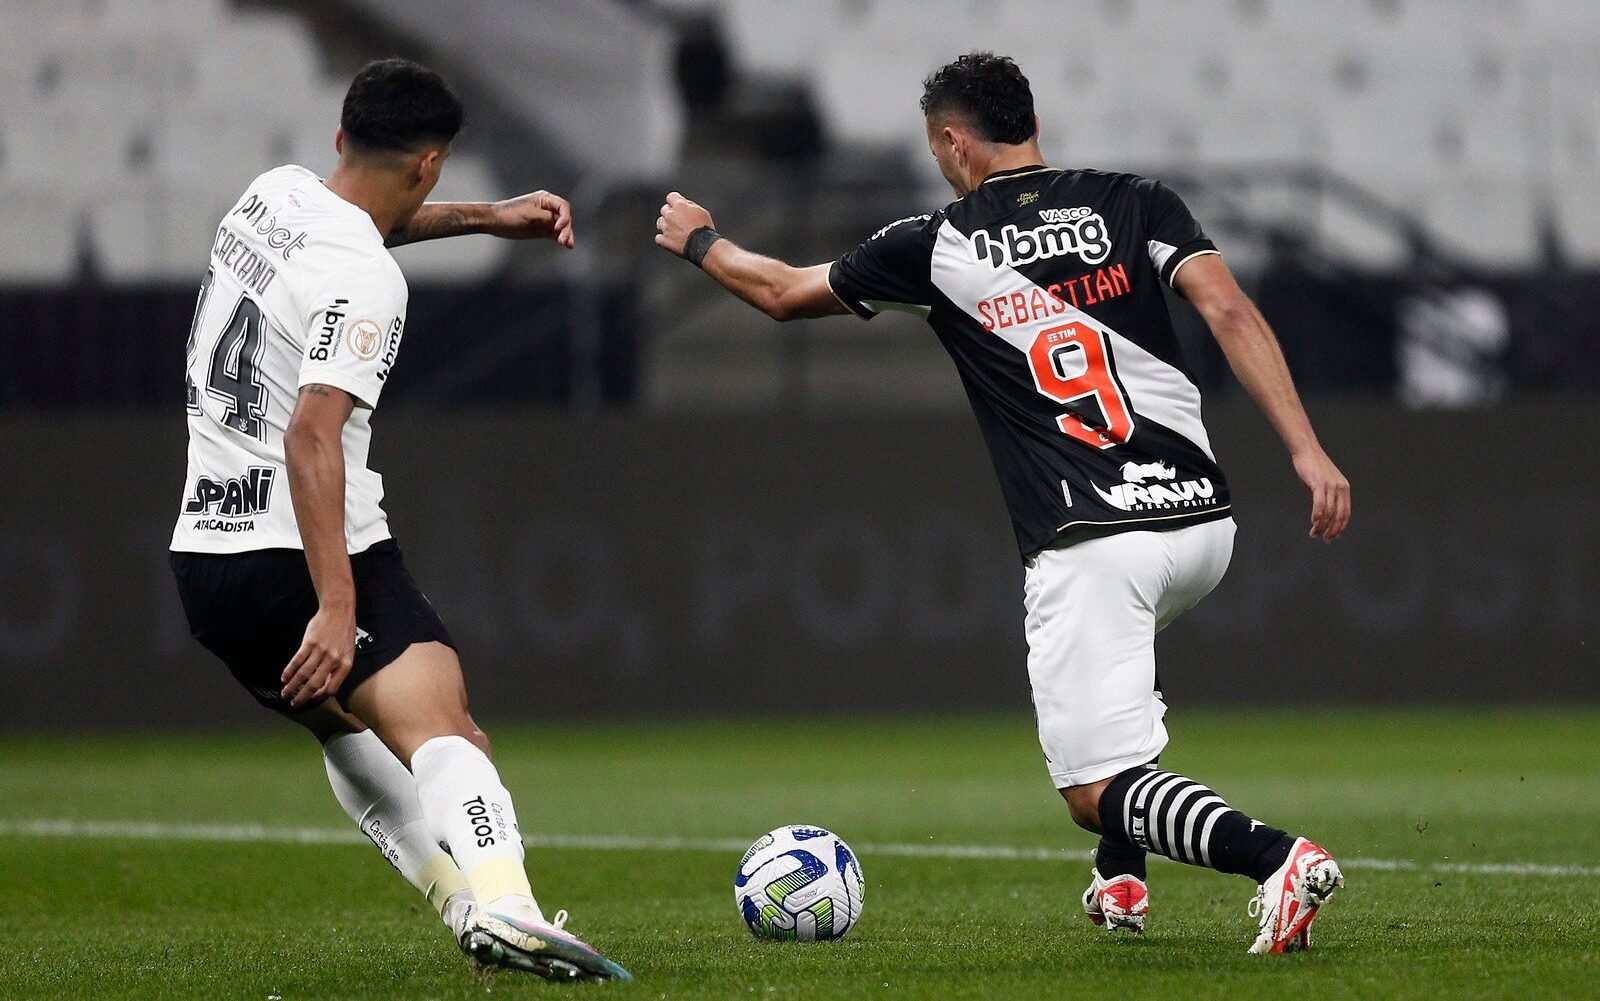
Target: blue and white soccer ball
[{"x": 799, "y": 883}]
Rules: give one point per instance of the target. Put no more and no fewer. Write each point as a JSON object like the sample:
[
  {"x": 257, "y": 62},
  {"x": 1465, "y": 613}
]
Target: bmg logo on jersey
[
  {"x": 1081, "y": 231},
  {"x": 391, "y": 347},
  {"x": 240, "y": 497},
  {"x": 328, "y": 332}
]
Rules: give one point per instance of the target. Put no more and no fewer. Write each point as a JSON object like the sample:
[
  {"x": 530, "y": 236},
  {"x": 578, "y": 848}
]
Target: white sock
[
  {"x": 381, "y": 797},
  {"x": 469, "y": 810}
]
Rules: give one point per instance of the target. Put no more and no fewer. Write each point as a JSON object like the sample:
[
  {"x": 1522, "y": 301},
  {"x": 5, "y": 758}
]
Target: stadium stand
[
  {"x": 1376, "y": 141},
  {"x": 1434, "y": 104},
  {"x": 132, "y": 125},
  {"x": 120, "y": 107}
]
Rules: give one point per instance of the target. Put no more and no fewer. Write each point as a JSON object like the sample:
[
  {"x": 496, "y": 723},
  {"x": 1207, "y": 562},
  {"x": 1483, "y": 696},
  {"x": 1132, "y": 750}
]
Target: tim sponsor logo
[
  {"x": 240, "y": 497},
  {"x": 1080, "y": 231},
  {"x": 1155, "y": 485}
]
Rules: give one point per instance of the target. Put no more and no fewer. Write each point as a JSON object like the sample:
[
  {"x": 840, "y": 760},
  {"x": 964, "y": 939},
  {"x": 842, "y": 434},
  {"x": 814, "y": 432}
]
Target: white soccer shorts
[{"x": 1094, "y": 609}]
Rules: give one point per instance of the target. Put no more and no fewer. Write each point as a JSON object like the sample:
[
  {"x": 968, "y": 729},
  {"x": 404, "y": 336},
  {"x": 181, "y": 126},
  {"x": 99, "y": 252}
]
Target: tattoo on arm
[
  {"x": 314, "y": 390},
  {"x": 433, "y": 221}
]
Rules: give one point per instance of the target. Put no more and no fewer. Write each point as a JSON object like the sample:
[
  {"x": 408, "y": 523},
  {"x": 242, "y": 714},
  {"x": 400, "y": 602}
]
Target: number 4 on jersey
[
  {"x": 231, "y": 372},
  {"x": 192, "y": 395},
  {"x": 233, "y": 377},
  {"x": 1071, "y": 362}
]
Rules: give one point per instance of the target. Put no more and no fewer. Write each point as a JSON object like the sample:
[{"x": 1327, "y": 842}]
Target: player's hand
[
  {"x": 1330, "y": 494},
  {"x": 679, "y": 217},
  {"x": 534, "y": 216},
  {"x": 325, "y": 657}
]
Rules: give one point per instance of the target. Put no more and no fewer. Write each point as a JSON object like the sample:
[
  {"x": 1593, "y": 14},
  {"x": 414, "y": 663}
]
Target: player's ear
[
  {"x": 338, "y": 140},
  {"x": 429, "y": 164},
  {"x": 958, "y": 145}
]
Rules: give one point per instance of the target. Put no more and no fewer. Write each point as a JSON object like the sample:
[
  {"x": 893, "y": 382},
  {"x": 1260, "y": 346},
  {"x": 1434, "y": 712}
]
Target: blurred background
[{"x": 629, "y": 493}]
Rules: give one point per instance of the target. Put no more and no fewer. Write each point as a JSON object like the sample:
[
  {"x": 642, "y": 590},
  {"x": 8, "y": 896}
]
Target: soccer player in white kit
[
  {"x": 1044, "y": 286},
  {"x": 282, "y": 553}
]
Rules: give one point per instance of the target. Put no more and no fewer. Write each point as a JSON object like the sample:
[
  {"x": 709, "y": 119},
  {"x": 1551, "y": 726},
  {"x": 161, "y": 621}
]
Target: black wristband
[{"x": 699, "y": 242}]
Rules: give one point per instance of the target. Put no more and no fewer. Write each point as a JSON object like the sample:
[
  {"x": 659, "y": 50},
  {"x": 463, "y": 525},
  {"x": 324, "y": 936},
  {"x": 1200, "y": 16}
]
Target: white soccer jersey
[{"x": 300, "y": 290}]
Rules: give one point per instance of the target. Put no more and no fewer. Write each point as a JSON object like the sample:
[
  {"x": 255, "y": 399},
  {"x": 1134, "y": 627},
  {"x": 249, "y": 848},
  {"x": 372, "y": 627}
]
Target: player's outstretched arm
[
  {"x": 1257, "y": 361},
  {"x": 314, "y": 450},
  {"x": 537, "y": 215},
  {"x": 780, "y": 290}
]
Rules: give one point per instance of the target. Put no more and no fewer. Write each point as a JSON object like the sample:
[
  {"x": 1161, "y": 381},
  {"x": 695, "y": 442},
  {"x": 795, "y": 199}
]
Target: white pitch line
[{"x": 259, "y": 834}]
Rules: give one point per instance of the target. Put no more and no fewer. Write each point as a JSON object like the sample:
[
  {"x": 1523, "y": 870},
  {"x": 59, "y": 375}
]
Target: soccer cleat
[
  {"x": 1119, "y": 902},
  {"x": 1287, "y": 902},
  {"x": 518, "y": 942},
  {"x": 460, "y": 916}
]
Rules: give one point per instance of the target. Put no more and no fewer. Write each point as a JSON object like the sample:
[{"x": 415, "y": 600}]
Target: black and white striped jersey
[{"x": 1044, "y": 286}]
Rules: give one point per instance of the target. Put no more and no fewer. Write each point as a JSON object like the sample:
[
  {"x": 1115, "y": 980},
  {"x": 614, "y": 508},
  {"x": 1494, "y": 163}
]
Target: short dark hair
[
  {"x": 395, "y": 105},
  {"x": 988, "y": 91}
]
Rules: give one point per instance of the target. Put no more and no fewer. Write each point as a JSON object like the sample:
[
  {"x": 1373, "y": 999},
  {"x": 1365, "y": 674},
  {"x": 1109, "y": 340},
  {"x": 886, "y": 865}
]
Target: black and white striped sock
[
  {"x": 1171, "y": 815},
  {"x": 1115, "y": 857}
]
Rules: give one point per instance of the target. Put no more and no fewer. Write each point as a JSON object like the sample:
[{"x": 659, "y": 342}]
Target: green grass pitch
[{"x": 1469, "y": 839}]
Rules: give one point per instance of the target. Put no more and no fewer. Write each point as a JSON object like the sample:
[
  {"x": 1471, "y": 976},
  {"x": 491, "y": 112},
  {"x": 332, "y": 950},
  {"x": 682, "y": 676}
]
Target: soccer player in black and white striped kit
[{"x": 1044, "y": 285}]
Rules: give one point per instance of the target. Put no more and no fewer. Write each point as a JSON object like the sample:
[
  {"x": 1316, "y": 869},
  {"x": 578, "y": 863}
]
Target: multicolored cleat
[
  {"x": 518, "y": 942},
  {"x": 1288, "y": 901},
  {"x": 1119, "y": 902}
]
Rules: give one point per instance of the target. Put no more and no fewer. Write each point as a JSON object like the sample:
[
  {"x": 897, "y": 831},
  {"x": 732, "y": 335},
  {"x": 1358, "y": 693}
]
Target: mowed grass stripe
[{"x": 261, "y": 834}]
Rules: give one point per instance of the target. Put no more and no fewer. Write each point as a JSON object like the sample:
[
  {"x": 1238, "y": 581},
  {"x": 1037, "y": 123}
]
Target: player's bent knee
[
  {"x": 326, "y": 720},
  {"x": 1083, "y": 803}
]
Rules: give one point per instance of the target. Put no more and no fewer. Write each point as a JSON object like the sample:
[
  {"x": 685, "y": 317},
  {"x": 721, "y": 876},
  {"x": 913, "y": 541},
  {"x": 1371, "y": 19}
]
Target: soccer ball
[{"x": 799, "y": 883}]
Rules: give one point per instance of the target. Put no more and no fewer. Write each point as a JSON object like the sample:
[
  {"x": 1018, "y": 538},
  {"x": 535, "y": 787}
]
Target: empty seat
[
  {"x": 1489, "y": 220},
  {"x": 165, "y": 15},
  {"x": 39, "y": 241},
  {"x": 259, "y": 58},
  {"x": 75, "y": 149},
  {"x": 1577, "y": 215},
  {"x": 156, "y": 233},
  {"x": 865, "y": 98},
  {"x": 113, "y": 71},
  {"x": 784, "y": 37},
  {"x": 1567, "y": 103},
  {"x": 1112, "y": 140},
  {"x": 30, "y": 17},
  {"x": 311, "y": 127},
  {"x": 1361, "y": 241},
  {"x": 1242, "y": 133},
  {"x": 212, "y": 148}
]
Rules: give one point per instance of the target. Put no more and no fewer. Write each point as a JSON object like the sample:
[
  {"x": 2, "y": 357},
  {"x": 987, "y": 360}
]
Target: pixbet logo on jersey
[
  {"x": 1135, "y": 494},
  {"x": 1081, "y": 231}
]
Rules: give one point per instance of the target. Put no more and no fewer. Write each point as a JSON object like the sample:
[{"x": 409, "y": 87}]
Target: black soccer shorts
[{"x": 251, "y": 610}]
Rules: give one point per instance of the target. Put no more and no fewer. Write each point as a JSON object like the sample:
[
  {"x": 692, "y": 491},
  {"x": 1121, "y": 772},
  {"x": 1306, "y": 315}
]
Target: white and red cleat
[
  {"x": 1119, "y": 902},
  {"x": 1287, "y": 902}
]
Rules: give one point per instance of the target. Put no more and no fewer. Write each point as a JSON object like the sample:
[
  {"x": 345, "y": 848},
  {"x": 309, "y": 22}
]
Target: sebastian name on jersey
[
  {"x": 1044, "y": 286},
  {"x": 300, "y": 290}
]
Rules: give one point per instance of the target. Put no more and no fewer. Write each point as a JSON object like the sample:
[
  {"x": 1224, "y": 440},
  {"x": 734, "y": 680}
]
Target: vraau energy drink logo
[{"x": 1155, "y": 485}]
